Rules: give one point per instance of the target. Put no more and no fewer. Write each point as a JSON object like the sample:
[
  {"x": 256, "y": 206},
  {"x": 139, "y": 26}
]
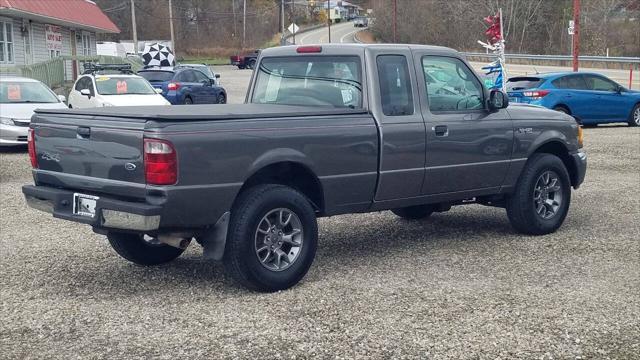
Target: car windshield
[
  {"x": 156, "y": 76},
  {"x": 523, "y": 83},
  {"x": 109, "y": 85},
  {"x": 16, "y": 92},
  {"x": 332, "y": 81}
]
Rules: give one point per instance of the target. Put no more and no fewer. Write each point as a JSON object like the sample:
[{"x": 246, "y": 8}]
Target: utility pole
[
  {"x": 244, "y": 23},
  {"x": 133, "y": 27},
  {"x": 173, "y": 36},
  {"x": 282, "y": 20},
  {"x": 329, "y": 17},
  {"x": 576, "y": 33},
  {"x": 395, "y": 21}
]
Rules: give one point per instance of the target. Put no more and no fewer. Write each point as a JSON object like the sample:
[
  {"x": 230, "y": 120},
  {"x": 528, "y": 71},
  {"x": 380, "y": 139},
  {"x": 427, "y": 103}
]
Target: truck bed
[{"x": 202, "y": 112}]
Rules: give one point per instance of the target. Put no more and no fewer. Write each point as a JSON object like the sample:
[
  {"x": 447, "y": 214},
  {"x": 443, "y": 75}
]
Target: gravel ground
[{"x": 459, "y": 285}]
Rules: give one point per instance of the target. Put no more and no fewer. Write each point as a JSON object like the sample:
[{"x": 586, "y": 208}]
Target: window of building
[
  {"x": 6, "y": 42},
  {"x": 86, "y": 44}
]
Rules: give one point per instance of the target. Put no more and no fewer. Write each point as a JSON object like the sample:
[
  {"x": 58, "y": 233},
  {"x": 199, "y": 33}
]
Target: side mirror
[
  {"x": 620, "y": 89},
  {"x": 498, "y": 100},
  {"x": 86, "y": 93},
  {"x": 158, "y": 91},
  {"x": 217, "y": 76},
  {"x": 62, "y": 98}
]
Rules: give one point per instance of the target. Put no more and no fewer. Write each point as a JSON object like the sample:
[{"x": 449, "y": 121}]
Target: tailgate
[{"x": 90, "y": 152}]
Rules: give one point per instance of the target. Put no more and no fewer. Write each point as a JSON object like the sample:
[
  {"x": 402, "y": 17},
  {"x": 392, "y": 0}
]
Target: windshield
[
  {"x": 107, "y": 85},
  {"x": 523, "y": 83},
  {"x": 332, "y": 81},
  {"x": 16, "y": 92},
  {"x": 156, "y": 76}
]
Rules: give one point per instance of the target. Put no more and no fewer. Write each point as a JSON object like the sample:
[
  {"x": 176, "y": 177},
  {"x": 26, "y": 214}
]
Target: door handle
[
  {"x": 83, "y": 131},
  {"x": 441, "y": 130}
]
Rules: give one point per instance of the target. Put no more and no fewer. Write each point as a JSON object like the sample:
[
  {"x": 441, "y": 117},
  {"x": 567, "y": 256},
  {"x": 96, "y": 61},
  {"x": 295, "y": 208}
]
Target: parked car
[
  {"x": 322, "y": 134},
  {"x": 206, "y": 69},
  {"x": 247, "y": 61},
  {"x": 361, "y": 21},
  {"x": 183, "y": 85},
  {"x": 589, "y": 97},
  {"x": 19, "y": 97},
  {"x": 112, "y": 85}
]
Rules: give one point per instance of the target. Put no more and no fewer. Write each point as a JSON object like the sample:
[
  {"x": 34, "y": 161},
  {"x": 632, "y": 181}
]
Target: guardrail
[
  {"x": 633, "y": 60},
  {"x": 562, "y": 60}
]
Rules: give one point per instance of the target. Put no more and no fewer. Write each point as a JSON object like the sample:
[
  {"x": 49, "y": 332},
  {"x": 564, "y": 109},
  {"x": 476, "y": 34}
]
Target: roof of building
[{"x": 83, "y": 14}]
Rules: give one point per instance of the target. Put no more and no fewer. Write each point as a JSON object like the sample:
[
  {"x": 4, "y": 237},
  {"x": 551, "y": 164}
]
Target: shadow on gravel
[{"x": 17, "y": 149}]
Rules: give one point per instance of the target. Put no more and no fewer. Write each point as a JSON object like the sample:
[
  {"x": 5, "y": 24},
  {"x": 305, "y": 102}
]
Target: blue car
[
  {"x": 185, "y": 85},
  {"x": 589, "y": 97}
]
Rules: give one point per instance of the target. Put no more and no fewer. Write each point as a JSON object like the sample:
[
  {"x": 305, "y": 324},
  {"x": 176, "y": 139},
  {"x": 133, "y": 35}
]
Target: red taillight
[
  {"x": 31, "y": 144},
  {"x": 173, "y": 86},
  {"x": 536, "y": 94},
  {"x": 160, "y": 162},
  {"x": 308, "y": 49}
]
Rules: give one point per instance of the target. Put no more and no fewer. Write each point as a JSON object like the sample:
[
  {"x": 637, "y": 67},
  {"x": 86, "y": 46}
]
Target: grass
[{"x": 209, "y": 60}]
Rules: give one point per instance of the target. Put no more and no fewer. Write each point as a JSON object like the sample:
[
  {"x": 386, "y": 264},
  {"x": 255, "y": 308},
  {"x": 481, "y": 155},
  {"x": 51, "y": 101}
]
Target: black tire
[
  {"x": 241, "y": 67},
  {"x": 241, "y": 261},
  {"x": 134, "y": 248},
  {"x": 562, "y": 109},
  {"x": 634, "y": 118},
  {"x": 251, "y": 64},
  {"x": 188, "y": 101},
  {"x": 417, "y": 212},
  {"x": 221, "y": 99},
  {"x": 521, "y": 206}
]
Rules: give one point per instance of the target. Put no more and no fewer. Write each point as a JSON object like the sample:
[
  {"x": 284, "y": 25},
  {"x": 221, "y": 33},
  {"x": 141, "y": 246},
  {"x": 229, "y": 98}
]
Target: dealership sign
[{"x": 53, "y": 35}]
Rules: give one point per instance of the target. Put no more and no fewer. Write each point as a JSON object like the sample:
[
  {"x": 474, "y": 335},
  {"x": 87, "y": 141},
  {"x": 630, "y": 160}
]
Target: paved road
[
  {"x": 344, "y": 33},
  {"x": 340, "y": 33}
]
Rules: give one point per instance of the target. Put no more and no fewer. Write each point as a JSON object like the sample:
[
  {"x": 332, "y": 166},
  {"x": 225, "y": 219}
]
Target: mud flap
[{"x": 214, "y": 240}]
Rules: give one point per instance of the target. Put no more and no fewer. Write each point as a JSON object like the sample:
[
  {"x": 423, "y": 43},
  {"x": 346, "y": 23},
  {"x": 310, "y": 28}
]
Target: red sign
[
  {"x": 121, "y": 87},
  {"x": 14, "y": 92}
]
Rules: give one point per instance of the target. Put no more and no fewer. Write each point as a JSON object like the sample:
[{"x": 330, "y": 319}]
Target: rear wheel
[
  {"x": 562, "y": 109},
  {"x": 540, "y": 202},
  {"x": 634, "y": 119},
  {"x": 272, "y": 238},
  {"x": 142, "y": 250},
  {"x": 414, "y": 212},
  {"x": 188, "y": 101},
  {"x": 251, "y": 64}
]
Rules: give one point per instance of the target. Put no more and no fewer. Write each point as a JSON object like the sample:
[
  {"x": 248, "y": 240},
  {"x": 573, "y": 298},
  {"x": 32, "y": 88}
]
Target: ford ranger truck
[{"x": 325, "y": 130}]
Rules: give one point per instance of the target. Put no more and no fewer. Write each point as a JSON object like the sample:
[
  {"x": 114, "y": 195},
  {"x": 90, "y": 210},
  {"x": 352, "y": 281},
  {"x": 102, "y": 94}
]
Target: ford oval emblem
[{"x": 130, "y": 166}]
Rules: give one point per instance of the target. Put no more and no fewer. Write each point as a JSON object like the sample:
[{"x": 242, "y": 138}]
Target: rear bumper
[
  {"x": 580, "y": 163},
  {"x": 110, "y": 213}
]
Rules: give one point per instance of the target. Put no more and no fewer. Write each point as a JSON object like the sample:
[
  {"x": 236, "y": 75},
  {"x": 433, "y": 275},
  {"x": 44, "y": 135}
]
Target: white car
[
  {"x": 19, "y": 97},
  {"x": 97, "y": 90}
]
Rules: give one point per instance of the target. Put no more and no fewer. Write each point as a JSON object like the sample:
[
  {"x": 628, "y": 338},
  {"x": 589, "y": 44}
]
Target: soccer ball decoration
[{"x": 157, "y": 55}]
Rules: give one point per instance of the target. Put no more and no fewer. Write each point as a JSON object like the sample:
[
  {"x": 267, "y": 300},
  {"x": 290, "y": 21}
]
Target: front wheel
[
  {"x": 142, "y": 250},
  {"x": 272, "y": 238},
  {"x": 540, "y": 202},
  {"x": 221, "y": 99},
  {"x": 188, "y": 101},
  {"x": 634, "y": 119}
]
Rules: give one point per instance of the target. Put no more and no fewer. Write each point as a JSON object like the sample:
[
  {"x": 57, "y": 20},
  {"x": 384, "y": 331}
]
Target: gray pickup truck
[{"x": 325, "y": 130}]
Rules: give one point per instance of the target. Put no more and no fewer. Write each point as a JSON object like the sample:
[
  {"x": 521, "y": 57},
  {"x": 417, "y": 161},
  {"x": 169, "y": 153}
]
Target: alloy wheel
[
  {"x": 547, "y": 195},
  {"x": 278, "y": 239},
  {"x": 636, "y": 116}
]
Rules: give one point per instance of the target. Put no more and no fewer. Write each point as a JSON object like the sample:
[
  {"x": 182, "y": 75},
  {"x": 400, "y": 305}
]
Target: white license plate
[{"x": 84, "y": 205}]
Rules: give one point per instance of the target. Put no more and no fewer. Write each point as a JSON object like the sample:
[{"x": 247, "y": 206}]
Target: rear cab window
[
  {"x": 156, "y": 76},
  {"x": 395, "y": 85},
  {"x": 326, "y": 81},
  {"x": 524, "y": 83}
]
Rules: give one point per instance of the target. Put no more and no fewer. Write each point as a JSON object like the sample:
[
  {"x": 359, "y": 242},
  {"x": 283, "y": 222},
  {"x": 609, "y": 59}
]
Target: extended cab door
[
  {"x": 402, "y": 129},
  {"x": 468, "y": 147}
]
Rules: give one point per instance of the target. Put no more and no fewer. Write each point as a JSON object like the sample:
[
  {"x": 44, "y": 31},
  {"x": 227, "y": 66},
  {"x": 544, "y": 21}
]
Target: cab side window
[
  {"x": 451, "y": 85},
  {"x": 395, "y": 85}
]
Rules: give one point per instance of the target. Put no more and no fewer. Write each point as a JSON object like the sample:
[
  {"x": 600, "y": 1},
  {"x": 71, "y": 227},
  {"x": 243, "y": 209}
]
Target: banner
[{"x": 53, "y": 36}]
